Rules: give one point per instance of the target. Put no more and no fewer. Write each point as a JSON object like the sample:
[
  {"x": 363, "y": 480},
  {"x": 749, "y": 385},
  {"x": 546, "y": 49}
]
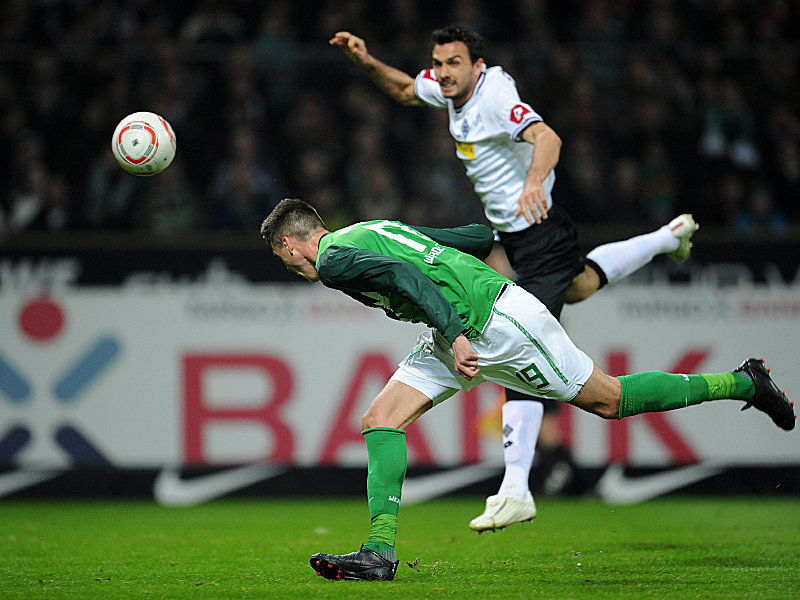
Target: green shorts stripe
[{"x": 534, "y": 342}]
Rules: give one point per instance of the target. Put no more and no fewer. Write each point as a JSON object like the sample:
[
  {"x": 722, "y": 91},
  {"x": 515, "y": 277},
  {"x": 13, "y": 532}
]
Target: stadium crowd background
[{"x": 663, "y": 107}]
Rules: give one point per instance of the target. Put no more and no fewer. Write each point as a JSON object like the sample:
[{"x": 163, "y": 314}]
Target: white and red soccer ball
[{"x": 143, "y": 143}]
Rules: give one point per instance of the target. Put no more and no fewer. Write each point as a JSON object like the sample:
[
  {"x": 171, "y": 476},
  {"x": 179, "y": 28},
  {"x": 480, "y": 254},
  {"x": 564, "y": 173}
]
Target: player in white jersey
[
  {"x": 486, "y": 130},
  {"x": 510, "y": 155}
]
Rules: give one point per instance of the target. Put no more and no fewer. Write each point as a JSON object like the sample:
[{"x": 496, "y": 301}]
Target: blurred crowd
[{"x": 663, "y": 107}]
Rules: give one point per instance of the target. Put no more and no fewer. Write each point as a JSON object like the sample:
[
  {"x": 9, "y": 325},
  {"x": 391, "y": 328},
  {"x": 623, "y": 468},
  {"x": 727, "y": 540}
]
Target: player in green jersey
[{"x": 483, "y": 328}]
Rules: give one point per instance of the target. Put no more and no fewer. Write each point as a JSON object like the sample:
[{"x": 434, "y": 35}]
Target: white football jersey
[{"x": 487, "y": 132}]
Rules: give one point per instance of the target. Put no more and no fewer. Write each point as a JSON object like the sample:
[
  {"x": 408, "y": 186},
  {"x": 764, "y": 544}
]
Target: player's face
[
  {"x": 296, "y": 262},
  {"x": 456, "y": 74}
]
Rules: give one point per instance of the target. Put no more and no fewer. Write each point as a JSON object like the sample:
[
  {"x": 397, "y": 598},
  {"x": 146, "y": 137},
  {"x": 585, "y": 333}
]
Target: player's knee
[
  {"x": 368, "y": 420},
  {"x": 373, "y": 418},
  {"x": 583, "y": 286}
]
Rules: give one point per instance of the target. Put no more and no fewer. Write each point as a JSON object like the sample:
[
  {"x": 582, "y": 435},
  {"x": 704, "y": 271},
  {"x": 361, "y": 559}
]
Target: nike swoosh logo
[
  {"x": 172, "y": 490},
  {"x": 615, "y": 487},
  {"x": 23, "y": 478},
  {"x": 427, "y": 487}
]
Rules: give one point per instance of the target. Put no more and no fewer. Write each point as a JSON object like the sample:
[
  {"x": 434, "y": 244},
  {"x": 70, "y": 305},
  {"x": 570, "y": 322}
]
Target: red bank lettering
[{"x": 197, "y": 414}]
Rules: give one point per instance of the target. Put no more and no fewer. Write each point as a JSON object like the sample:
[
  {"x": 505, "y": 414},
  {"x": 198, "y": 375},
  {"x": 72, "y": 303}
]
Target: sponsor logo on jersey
[
  {"x": 465, "y": 150},
  {"x": 518, "y": 113},
  {"x": 433, "y": 253}
]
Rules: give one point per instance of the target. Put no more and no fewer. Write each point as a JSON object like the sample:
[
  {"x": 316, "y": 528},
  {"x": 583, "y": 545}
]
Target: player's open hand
[
  {"x": 465, "y": 357},
  {"x": 532, "y": 203},
  {"x": 353, "y": 46}
]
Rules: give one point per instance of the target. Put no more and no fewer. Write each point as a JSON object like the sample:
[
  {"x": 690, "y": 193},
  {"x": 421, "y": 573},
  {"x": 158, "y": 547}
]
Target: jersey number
[
  {"x": 531, "y": 374},
  {"x": 381, "y": 228}
]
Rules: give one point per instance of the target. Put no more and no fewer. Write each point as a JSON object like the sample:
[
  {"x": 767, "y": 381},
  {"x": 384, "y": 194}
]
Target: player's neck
[
  {"x": 313, "y": 244},
  {"x": 462, "y": 101}
]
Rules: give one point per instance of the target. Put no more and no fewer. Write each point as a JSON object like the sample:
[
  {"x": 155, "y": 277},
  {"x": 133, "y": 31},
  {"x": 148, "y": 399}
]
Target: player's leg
[
  {"x": 522, "y": 420},
  {"x": 543, "y": 259},
  {"x": 513, "y": 501},
  {"x": 383, "y": 425},
  {"x": 611, "y": 262},
  {"x": 558, "y": 369},
  {"x": 395, "y": 408},
  {"x": 520, "y": 365},
  {"x": 421, "y": 381},
  {"x": 655, "y": 391}
]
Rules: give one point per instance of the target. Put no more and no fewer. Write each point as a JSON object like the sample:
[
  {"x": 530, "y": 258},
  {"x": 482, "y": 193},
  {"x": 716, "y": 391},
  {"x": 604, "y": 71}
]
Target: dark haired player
[
  {"x": 510, "y": 154},
  {"x": 482, "y": 328}
]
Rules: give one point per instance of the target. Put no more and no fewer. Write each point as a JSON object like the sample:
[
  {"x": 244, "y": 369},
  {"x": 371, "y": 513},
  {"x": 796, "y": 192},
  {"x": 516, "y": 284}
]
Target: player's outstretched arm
[
  {"x": 465, "y": 357},
  {"x": 393, "y": 82}
]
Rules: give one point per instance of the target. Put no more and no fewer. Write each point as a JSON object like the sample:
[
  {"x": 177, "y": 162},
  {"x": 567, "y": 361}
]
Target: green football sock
[
  {"x": 656, "y": 391},
  {"x": 386, "y": 470}
]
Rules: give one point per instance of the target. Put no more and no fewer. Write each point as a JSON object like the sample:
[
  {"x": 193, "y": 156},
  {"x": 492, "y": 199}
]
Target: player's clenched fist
[{"x": 353, "y": 46}]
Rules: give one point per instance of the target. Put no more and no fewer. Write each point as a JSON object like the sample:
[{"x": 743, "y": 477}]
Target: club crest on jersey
[
  {"x": 464, "y": 128},
  {"x": 518, "y": 113}
]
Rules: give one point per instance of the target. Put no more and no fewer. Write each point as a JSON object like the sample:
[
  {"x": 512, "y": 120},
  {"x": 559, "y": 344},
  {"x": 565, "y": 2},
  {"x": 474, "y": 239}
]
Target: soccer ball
[{"x": 143, "y": 144}]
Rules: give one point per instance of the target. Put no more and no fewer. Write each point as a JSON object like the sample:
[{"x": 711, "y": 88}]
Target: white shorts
[{"x": 522, "y": 347}]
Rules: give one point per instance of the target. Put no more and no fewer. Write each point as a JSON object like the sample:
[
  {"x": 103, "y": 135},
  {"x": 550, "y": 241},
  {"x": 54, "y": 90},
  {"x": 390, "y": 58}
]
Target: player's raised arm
[
  {"x": 393, "y": 82},
  {"x": 546, "y": 151}
]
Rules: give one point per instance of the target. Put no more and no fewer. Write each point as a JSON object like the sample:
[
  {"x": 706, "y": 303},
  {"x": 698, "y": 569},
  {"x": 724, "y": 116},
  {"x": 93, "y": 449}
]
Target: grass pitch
[{"x": 674, "y": 548}]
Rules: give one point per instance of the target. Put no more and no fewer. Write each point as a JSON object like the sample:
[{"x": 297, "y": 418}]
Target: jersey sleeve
[
  {"x": 427, "y": 89},
  {"x": 508, "y": 112},
  {"x": 353, "y": 269},
  {"x": 474, "y": 239}
]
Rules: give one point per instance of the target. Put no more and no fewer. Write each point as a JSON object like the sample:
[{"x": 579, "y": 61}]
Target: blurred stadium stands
[{"x": 664, "y": 107}]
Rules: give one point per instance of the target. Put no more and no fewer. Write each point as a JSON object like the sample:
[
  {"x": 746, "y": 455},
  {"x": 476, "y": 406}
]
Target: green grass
[{"x": 676, "y": 548}]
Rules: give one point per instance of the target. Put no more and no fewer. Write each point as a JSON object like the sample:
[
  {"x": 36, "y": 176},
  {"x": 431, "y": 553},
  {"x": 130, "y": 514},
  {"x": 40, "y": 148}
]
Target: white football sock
[
  {"x": 620, "y": 259},
  {"x": 522, "y": 420}
]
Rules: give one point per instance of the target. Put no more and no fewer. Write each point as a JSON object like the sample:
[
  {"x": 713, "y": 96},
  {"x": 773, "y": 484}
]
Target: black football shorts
[{"x": 546, "y": 257}]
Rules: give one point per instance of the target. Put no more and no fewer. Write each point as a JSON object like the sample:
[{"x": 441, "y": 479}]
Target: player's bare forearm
[
  {"x": 546, "y": 150},
  {"x": 397, "y": 85},
  {"x": 465, "y": 358},
  {"x": 393, "y": 82},
  {"x": 532, "y": 202}
]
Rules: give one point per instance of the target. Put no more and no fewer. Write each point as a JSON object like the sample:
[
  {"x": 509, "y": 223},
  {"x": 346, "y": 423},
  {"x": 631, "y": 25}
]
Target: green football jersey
[{"x": 433, "y": 276}]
